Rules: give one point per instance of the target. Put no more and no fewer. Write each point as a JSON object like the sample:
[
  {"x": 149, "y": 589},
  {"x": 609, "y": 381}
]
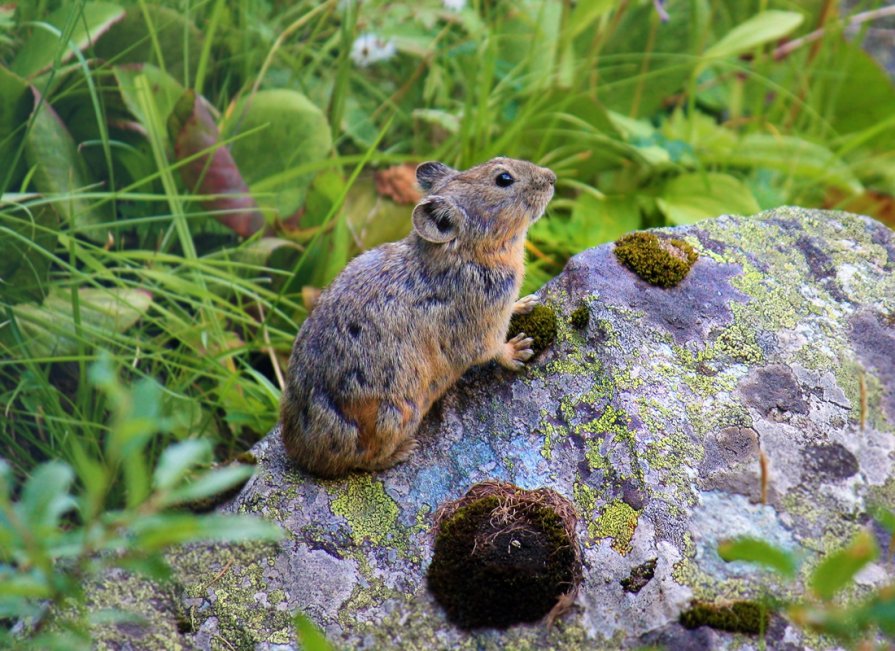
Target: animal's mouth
[{"x": 539, "y": 205}]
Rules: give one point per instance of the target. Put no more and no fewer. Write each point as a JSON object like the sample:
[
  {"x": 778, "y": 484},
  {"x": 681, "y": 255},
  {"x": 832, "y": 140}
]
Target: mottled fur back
[{"x": 404, "y": 321}]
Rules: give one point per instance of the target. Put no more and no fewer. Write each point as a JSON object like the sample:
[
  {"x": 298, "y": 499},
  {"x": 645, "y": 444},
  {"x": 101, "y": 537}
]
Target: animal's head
[{"x": 486, "y": 206}]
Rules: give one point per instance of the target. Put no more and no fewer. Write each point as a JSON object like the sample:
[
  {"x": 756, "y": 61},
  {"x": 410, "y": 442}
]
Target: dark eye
[{"x": 504, "y": 180}]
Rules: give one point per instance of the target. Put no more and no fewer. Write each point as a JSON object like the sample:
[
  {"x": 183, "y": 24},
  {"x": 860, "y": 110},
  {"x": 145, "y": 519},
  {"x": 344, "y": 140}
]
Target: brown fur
[{"x": 404, "y": 321}]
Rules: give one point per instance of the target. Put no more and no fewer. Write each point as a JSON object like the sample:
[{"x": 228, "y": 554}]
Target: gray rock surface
[{"x": 650, "y": 420}]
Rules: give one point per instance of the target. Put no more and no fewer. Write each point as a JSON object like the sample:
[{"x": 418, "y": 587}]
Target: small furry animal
[{"x": 404, "y": 321}]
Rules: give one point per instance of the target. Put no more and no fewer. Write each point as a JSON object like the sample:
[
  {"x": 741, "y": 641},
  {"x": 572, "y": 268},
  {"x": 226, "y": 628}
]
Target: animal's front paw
[
  {"x": 517, "y": 351},
  {"x": 526, "y": 304}
]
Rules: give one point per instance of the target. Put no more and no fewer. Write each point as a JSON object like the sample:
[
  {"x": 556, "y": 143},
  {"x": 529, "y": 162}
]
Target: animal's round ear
[
  {"x": 428, "y": 174},
  {"x": 437, "y": 219}
]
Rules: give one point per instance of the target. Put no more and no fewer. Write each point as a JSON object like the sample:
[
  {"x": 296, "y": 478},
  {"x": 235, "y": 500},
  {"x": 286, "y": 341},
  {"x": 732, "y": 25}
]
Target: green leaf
[
  {"x": 884, "y": 516},
  {"x": 27, "y": 236},
  {"x": 90, "y": 21},
  {"x": 177, "y": 460},
  {"x": 211, "y": 483},
  {"x": 585, "y": 14},
  {"x": 45, "y": 497},
  {"x": 160, "y": 36},
  {"x": 754, "y": 550},
  {"x": 309, "y": 636},
  {"x": 59, "y": 169},
  {"x": 15, "y": 104},
  {"x": 159, "y": 531},
  {"x": 165, "y": 90},
  {"x": 762, "y": 28},
  {"x": 283, "y": 130},
  {"x": 213, "y": 172},
  {"x": 690, "y": 197},
  {"x": 788, "y": 154},
  {"x": 48, "y": 329},
  {"x": 839, "y": 568}
]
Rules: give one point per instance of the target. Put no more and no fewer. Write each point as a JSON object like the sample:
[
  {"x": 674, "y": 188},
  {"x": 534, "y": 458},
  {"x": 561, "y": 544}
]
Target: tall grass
[{"x": 634, "y": 113}]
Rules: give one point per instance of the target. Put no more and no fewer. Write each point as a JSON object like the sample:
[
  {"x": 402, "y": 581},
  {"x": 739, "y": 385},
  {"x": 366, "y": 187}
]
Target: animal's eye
[{"x": 504, "y": 179}]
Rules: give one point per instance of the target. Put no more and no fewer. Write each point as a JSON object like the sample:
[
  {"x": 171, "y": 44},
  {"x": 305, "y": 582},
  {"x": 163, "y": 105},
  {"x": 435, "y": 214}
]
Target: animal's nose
[{"x": 551, "y": 177}]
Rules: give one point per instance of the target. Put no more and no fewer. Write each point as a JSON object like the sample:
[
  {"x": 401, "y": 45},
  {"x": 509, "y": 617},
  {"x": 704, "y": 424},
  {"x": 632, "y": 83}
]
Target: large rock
[{"x": 651, "y": 420}]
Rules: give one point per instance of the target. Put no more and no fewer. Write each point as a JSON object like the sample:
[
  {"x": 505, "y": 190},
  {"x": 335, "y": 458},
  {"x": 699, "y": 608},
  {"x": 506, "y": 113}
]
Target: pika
[{"x": 402, "y": 322}]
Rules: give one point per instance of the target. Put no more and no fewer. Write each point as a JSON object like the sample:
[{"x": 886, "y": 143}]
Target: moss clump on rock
[
  {"x": 659, "y": 261},
  {"x": 640, "y": 576},
  {"x": 737, "y": 617},
  {"x": 580, "y": 316},
  {"x": 539, "y": 324},
  {"x": 504, "y": 555}
]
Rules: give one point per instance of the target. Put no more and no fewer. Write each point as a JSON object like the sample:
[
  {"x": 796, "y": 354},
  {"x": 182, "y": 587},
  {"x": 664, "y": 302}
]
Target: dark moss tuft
[
  {"x": 640, "y": 576},
  {"x": 580, "y": 316},
  {"x": 737, "y": 617},
  {"x": 659, "y": 261},
  {"x": 504, "y": 557},
  {"x": 539, "y": 324}
]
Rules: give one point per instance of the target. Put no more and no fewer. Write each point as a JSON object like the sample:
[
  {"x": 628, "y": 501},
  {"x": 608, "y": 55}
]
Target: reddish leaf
[{"x": 213, "y": 172}]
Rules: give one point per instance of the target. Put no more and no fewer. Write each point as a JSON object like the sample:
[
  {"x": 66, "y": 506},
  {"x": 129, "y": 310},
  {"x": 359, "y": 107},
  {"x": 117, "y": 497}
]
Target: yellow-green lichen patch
[
  {"x": 611, "y": 425},
  {"x": 617, "y": 521},
  {"x": 657, "y": 260},
  {"x": 713, "y": 416},
  {"x": 370, "y": 512},
  {"x": 739, "y": 343},
  {"x": 539, "y": 324},
  {"x": 673, "y": 452},
  {"x": 552, "y": 433},
  {"x": 231, "y": 577},
  {"x": 157, "y": 607}
]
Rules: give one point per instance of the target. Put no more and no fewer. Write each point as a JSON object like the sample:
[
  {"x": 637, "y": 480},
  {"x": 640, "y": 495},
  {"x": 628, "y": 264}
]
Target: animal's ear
[
  {"x": 428, "y": 174},
  {"x": 437, "y": 219}
]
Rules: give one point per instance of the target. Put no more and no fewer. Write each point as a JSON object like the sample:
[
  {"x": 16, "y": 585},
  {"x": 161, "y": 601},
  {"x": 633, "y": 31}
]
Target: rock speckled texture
[{"x": 650, "y": 420}]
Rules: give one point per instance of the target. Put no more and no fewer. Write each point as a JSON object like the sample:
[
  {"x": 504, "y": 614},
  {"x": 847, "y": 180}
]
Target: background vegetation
[{"x": 176, "y": 178}]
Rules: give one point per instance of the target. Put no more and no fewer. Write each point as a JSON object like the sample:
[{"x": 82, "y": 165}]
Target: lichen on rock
[{"x": 651, "y": 421}]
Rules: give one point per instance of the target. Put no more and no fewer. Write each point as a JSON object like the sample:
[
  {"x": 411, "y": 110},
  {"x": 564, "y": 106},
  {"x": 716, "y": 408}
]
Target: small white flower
[
  {"x": 454, "y": 5},
  {"x": 369, "y": 48}
]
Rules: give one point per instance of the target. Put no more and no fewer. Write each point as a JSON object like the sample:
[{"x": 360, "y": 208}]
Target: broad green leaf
[
  {"x": 213, "y": 172},
  {"x": 597, "y": 220},
  {"x": 282, "y": 130},
  {"x": 49, "y": 330},
  {"x": 211, "y": 483},
  {"x": 5, "y": 481},
  {"x": 15, "y": 104},
  {"x": 45, "y": 497},
  {"x": 885, "y": 516},
  {"x": 375, "y": 219},
  {"x": 640, "y": 66},
  {"x": 690, "y": 197},
  {"x": 762, "y": 28},
  {"x": 585, "y": 14},
  {"x": 160, "y": 531},
  {"x": 133, "y": 40},
  {"x": 27, "y": 238},
  {"x": 789, "y": 154},
  {"x": 754, "y": 550},
  {"x": 59, "y": 170},
  {"x": 839, "y": 568},
  {"x": 309, "y": 636},
  {"x": 91, "y": 20},
  {"x": 165, "y": 90},
  {"x": 153, "y": 566},
  {"x": 177, "y": 460},
  {"x": 18, "y": 584}
]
